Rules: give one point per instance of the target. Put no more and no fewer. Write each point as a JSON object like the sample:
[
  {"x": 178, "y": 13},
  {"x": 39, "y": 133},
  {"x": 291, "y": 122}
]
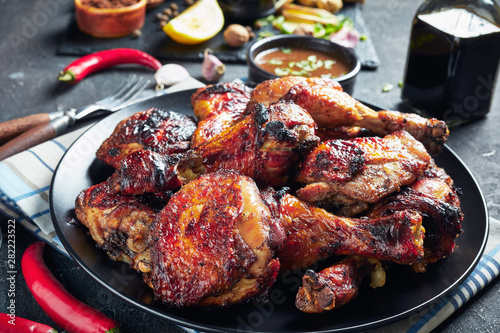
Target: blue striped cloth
[{"x": 24, "y": 196}]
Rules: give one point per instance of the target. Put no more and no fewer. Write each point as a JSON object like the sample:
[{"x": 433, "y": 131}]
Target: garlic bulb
[
  {"x": 212, "y": 68},
  {"x": 170, "y": 74}
]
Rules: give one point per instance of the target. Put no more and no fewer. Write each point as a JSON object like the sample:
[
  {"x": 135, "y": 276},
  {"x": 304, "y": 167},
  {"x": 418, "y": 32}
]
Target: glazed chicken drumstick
[
  {"x": 158, "y": 130},
  {"x": 331, "y": 108},
  {"x": 213, "y": 243},
  {"x": 313, "y": 234},
  {"x": 348, "y": 175}
]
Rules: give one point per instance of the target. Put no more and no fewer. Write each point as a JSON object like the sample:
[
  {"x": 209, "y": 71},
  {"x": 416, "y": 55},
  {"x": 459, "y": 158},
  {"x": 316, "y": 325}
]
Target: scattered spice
[
  {"x": 174, "y": 6},
  {"x": 167, "y": 11},
  {"x": 136, "y": 33},
  {"x": 109, "y": 3}
]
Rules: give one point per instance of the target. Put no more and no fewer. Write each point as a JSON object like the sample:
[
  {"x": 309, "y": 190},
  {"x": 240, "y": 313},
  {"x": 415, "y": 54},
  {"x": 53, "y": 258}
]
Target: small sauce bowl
[
  {"x": 256, "y": 74},
  {"x": 110, "y": 22}
]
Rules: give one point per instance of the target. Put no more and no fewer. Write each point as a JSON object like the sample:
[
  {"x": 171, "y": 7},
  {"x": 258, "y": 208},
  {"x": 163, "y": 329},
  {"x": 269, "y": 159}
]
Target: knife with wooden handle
[
  {"x": 12, "y": 128},
  {"x": 36, "y": 135}
]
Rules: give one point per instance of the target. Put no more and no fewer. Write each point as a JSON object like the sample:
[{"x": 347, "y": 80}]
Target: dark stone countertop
[{"x": 31, "y": 33}]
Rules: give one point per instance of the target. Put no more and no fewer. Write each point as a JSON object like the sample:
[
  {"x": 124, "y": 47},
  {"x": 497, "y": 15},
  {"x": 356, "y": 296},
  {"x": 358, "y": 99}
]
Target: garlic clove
[
  {"x": 212, "y": 68},
  {"x": 169, "y": 75}
]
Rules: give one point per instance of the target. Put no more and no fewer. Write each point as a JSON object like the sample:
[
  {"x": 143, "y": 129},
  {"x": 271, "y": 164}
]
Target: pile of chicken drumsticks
[{"x": 268, "y": 180}]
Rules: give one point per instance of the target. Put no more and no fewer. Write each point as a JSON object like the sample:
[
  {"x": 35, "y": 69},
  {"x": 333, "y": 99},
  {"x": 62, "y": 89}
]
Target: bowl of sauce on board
[{"x": 306, "y": 56}]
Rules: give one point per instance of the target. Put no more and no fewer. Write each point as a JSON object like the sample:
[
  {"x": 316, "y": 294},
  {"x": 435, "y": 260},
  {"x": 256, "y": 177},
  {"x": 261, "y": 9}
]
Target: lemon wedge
[{"x": 196, "y": 24}]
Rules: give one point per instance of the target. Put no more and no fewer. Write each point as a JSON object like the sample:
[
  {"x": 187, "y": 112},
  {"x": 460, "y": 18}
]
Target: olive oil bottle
[{"x": 453, "y": 59}]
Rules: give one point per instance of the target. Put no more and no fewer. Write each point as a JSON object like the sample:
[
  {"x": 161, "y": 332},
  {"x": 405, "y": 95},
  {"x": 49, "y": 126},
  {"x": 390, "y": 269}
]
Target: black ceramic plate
[{"x": 404, "y": 294}]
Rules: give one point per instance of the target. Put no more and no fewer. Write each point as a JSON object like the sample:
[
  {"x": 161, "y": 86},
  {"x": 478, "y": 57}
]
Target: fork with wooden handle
[{"x": 44, "y": 127}]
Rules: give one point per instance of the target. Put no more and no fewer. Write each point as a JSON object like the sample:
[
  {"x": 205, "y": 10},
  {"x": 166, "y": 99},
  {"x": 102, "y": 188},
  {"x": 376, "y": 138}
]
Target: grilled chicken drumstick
[
  {"x": 212, "y": 243},
  {"x": 331, "y": 108},
  {"x": 161, "y": 131},
  {"x": 313, "y": 234},
  {"x": 349, "y": 175},
  {"x": 272, "y": 91}
]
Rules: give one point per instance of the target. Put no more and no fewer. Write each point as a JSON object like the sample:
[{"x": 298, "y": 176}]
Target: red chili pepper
[
  {"x": 94, "y": 62},
  {"x": 14, "y": 324},
  {"x": 68, "y": 312}
]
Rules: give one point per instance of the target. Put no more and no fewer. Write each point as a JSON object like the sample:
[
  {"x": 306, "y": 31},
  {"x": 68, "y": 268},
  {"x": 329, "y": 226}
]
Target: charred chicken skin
[
  {"x": 161, "y": 131},
  {"x": 217, "y": 108},
  {"x": 211, "y": 244},
  {"x": 352, "y": 174}
]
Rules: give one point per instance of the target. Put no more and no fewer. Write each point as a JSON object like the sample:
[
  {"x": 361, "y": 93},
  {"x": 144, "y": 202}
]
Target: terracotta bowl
[
  {"x": 256, "y": 74},
  {"x": 110, "y": 22}
]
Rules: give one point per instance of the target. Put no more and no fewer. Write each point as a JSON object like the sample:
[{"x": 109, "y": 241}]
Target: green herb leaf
[
  {"x": 264, "y": 34},
  {"x": 311, "y": 58},
  {"x": 275, "y": 62},
  {"x": 282, "y": 71},
  {"x": 329, "y": 64},
  {"x": 387, "y": 87},
  {"x": 286, "y": 50},
  {"x": 278, "y": 21}
]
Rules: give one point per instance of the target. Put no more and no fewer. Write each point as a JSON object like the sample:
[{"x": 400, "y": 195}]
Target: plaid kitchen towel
[{"x": 24, "y": 193}]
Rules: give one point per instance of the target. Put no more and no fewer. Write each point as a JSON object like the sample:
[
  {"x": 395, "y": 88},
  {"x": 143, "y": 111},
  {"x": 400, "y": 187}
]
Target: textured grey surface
[{"x": 31, "y": 33}]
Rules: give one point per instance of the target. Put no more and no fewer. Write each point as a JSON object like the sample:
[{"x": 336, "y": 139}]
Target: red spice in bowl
[
  {"x": 109, "y": 3},
  {"x": 110, "y": 18}
]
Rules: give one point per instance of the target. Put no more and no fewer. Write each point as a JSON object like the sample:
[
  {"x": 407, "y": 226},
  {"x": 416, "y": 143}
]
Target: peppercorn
[{"x": 136, "y": 33}]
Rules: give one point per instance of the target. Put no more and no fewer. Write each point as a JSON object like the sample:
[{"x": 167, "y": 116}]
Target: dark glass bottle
[{"x": 453, "y": 59}]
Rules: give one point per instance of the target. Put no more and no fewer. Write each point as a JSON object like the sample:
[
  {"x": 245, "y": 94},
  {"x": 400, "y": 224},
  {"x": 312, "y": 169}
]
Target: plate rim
[{"x": 212, "y": 328}]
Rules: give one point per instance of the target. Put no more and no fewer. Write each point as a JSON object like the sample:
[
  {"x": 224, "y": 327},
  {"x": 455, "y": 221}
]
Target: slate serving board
[{"x": 154, "y": 41}]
